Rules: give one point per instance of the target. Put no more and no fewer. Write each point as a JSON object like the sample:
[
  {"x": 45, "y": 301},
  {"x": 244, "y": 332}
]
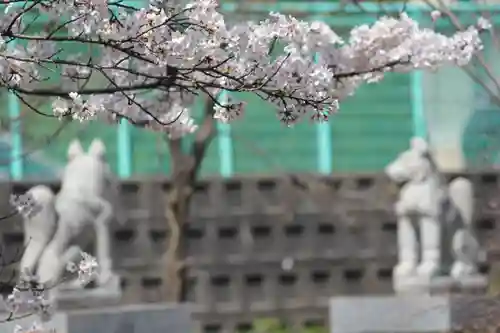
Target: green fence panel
[
  {"x": 372, "y": 126},
  {"x": 263, "y": 145},
  {"x": 150, "y": 153}
]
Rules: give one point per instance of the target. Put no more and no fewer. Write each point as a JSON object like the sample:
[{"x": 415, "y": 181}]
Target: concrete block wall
[{"x": 274, "y": 246}]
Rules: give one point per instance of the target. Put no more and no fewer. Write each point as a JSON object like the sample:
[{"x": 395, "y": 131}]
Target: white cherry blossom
[
  {"x": 152, "y": 62},
  {"x": 29, "y": 297}
]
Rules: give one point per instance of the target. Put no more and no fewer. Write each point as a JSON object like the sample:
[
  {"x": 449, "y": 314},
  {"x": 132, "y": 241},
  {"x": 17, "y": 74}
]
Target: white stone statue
[
  {"x": 79, "y": 203},
  {"x": 435, "y": 232}
]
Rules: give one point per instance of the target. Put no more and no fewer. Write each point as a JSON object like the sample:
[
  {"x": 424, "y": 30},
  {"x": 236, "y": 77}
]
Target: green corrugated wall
[
  {"x": 373, "y": 126},
  {"x": 263, "y": 145}
]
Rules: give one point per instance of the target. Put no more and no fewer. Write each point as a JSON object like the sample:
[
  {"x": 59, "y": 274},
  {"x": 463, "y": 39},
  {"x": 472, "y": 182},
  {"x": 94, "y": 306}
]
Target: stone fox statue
[
  {"x": 435, "y": 232},
  {"x": 79, "y": 203}
]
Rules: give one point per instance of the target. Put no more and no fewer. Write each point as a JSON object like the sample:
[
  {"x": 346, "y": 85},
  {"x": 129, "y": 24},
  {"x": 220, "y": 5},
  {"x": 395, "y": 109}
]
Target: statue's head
[
  {"x": 96, "y": 149},
  {"x": 413, "y": 164},
  {"x": 85, "y": 170}
]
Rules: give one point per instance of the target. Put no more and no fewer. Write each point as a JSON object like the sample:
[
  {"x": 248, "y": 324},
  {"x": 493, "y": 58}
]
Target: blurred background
[{"x": 282, "y": 219}]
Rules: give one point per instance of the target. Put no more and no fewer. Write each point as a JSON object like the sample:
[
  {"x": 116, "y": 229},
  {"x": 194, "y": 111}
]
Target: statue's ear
[
  {"x": 420, "y": 145},
  {"x": 97, "y": 148},
  {"x": 74, "y": 149}
]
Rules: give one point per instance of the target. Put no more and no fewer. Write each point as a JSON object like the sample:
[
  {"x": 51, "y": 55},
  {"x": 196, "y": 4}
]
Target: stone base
[
  {"x": 108, "y": 294},
  {"x": 412, "y": 313},
  {"x": 474, "y": 284},
  {"x": 157, "y": 318},
  {"x": 83, "y": 298}
]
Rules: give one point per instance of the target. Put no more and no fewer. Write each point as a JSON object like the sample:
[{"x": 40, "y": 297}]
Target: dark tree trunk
[{"x": 185, "y": 169}]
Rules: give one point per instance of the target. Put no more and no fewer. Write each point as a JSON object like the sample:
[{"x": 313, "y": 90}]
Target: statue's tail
[
  {"x": 39, "y": 228},
  {"x": 42, "y": 194},
  {"x": 462, "y": 196},
  {"x": 45, "y": 217},
  {"x": 465, "y": 244}
]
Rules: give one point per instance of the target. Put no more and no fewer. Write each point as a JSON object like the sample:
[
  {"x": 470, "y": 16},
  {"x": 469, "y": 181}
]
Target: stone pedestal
[
  {"x": 106, "y": 295},
  {"x": 413, "y": 313},
  {"x": 157, "y": 318},
  {"x": 66, "y": 298},
  {"x": 475, "y": 285}
]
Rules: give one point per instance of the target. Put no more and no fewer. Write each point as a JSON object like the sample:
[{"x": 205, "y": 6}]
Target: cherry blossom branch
[
  {"x": 459, "y": 26},
  {"x": 155, "y": 61}
]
